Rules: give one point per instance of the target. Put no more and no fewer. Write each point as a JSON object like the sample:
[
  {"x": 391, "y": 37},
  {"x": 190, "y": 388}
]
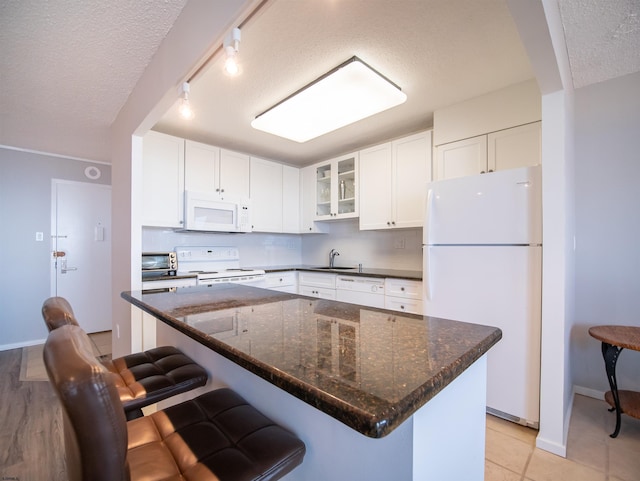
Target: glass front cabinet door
[{"x": 336, "y": 188}]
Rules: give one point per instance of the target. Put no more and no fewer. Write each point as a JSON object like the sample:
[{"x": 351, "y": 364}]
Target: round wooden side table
[{"x": 614, "y": 340}]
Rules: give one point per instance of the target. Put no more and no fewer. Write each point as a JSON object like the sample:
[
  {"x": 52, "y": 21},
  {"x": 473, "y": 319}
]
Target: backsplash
[
  {"x": 388, "y": 249},
  {"x": 393, "y": 249}
]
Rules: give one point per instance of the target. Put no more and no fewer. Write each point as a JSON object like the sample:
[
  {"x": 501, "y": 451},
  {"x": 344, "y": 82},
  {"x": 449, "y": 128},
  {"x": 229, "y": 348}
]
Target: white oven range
[{"x": 215, "y": 264}]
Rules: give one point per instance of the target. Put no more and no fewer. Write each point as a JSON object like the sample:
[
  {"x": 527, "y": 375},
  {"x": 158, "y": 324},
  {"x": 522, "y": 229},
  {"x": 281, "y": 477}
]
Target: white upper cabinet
[
  {"x": 234, "y": 174},
  {"x": 202, "y": 167},
  {"x": 214, "y": 170},
  {"x": 162, "y": 180},
  {"x": 275, "y": 197},
  {"x": 462, "y": 158},
  {"x": 517, "y": 147},
  {"x": 266, "y": 195},
  {"x": 290, "y": 200},
  {"x": 393, "y": 178},
  {"x": 336, "y": 188},
  {"x": 308, "y": 224},
  {"x": 507, "y": 149}
]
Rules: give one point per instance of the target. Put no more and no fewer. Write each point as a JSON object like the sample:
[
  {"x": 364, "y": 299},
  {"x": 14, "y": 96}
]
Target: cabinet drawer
[
  {"x": 316, "y": 279},
  {"x": 280, "y": 279},
  {"x": 412, "y": 306},
  {"x": 403, "y": 288},
  {"x": 319, "y": 292},
  {"x": 168, "y": 283}
]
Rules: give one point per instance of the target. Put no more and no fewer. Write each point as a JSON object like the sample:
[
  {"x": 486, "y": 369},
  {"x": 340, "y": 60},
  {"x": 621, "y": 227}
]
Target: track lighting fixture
[
  {"x": 231, "y": 47},
  {"x": 185, "y": 108}
]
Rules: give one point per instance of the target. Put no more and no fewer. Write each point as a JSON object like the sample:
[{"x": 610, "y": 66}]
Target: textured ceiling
[
  {"x": 74, "y": 63},
  {"x": 603, "y": 38},
  {"x": 68, "y": 66}
]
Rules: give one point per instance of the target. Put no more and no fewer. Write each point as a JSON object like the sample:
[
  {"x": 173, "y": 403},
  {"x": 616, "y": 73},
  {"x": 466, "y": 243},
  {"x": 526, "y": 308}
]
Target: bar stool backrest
[
  {"x": 95, "y": 428},
  {"x": 57, "y": 312}
]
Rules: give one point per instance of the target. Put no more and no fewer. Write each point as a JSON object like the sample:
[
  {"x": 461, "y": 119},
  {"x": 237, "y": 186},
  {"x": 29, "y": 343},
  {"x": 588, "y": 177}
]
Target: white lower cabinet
[
  {"x": 317, "y": 284},
  {"x": 403, "y": 295},
  {"x": 286, "y": 281}
]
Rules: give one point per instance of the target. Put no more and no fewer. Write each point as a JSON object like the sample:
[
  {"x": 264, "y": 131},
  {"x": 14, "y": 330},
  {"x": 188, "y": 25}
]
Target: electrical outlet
[
  {"x": 399, "y": 243},
  {"x": 39, "y": 236}
]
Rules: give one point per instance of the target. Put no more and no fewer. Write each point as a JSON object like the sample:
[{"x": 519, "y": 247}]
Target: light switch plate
[{"x": 39, "y": 236}]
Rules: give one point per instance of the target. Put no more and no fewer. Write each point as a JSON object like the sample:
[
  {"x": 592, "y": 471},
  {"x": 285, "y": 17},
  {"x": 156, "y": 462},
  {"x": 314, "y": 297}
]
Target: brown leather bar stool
[
  {"x": 143, "y": 378},
  {"x": 217, "y": 436}
]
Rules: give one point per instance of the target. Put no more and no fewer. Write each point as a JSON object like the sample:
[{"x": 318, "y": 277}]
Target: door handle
[
  {"x": 63, "y": 267},
  {"x": 59, "y": 254}
]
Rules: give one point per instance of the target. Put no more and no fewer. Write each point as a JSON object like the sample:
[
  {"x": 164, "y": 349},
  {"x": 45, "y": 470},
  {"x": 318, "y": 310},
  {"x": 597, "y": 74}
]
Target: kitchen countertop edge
[
  {"x": 386, "y": 417},
  {"x": 366, "y": 272}
]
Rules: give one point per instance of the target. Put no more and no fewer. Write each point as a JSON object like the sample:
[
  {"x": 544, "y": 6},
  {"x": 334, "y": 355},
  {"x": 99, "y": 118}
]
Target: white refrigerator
[{"x": 482, "y": 255}]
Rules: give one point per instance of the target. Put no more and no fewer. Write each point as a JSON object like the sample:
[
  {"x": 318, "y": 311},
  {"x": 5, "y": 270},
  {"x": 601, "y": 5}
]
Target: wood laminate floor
[{"x": 31, "y": 438}]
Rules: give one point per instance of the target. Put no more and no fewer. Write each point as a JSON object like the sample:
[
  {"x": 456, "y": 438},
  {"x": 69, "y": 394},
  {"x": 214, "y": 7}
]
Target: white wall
[
  {"x": 607, "y": 225},
  {"x": 25, "y": 208}
]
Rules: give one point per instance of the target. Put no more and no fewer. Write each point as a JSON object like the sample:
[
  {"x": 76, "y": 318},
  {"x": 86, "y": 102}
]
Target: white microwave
[{"x": 207, "y": 212}]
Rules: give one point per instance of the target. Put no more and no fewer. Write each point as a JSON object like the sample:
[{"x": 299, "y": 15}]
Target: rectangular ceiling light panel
[{"x": 350, "y": 92}]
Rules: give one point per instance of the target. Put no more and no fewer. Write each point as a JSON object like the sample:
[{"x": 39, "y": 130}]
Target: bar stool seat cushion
[
  {"x": 148, "y": 377},
  {"x": 142, "y": 378}
]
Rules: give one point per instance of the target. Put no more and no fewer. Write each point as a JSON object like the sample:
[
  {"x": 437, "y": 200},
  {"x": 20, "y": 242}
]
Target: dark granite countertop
[
  {"x": 368, "y": 368},
  {"x": 365, "y": 272}
]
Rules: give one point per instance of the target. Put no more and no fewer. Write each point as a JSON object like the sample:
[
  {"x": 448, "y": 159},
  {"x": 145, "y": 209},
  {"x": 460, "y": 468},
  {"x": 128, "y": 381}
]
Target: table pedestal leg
[{"x": 610, "y": 354}]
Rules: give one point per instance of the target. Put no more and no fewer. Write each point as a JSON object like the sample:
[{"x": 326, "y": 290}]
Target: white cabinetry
[
  {"x": 317, "y": 284},
  {"x": 393, "y": 178},
  {"x": 162, "y": 180},
  {"x": 286, "y": 281},
  {"x": 403, "y": 295},
  {"x": 266, "y": 195},
  {"x": 336, "y": 188},
  {"x": 290, "y": 200},
  {"x": 234, "y": 174},
  {"x": 214, "y": 170},
  {"x": 506, "y": 149},
  {"x": 308, "y": 224},
  {"x": 275, "y": 197},
  {"x": 202, "y": 167}
]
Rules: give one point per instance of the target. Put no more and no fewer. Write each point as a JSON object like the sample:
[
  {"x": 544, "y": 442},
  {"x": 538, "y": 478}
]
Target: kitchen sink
[{"x": 336, "y": 268}]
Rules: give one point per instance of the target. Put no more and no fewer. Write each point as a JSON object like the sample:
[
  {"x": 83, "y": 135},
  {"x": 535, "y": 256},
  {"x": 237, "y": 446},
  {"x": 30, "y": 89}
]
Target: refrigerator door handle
[
  {"x": 427, "y": 217},
  {"x": 426, "y": 275},
  {"x": 426, "y": 248}
]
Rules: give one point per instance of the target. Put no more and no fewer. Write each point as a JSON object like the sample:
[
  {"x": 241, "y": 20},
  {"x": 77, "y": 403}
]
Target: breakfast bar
[{"x": 374, "y": 394}]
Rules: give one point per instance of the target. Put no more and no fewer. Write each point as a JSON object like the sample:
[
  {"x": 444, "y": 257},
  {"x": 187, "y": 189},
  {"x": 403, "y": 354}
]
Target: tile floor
[{"x": 592, "y": 455}]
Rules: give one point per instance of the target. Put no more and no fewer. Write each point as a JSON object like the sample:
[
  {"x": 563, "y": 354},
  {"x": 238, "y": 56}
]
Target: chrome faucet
[{"x": 332, "y": 256}]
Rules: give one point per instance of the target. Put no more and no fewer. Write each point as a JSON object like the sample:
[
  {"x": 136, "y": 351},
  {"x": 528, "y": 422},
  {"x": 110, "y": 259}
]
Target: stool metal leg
[{"x": 610, "y": 354}]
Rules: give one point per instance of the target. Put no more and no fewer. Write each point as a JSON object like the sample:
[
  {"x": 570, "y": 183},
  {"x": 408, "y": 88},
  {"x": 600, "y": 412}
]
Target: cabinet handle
[
  {"x": 218, "y": 190},
  {"x": 402, "y": 289},
  {"x": 402, "y": 307},
  {"x": 310, "y": 228},
  {"x": 482, "y": 172},
  {"x": 221, "y": 190},
  {"x": 388, "y": 223},
  {"x": 490, "y": 170},
  {"x": 393, "y": 222}
]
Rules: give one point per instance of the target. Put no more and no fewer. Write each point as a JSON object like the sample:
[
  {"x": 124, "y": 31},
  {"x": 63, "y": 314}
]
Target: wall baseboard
[
  {"x": 585, "y": 391},
  {"x": 20, "y": 345}
]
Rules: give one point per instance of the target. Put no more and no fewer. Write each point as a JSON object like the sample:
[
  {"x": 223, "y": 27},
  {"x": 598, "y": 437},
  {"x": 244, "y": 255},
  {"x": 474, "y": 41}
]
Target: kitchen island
[{"x": 374, "y": 394}]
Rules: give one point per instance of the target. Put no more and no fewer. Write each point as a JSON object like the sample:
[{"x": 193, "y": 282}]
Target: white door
[{"x": 81, "y": 260}]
